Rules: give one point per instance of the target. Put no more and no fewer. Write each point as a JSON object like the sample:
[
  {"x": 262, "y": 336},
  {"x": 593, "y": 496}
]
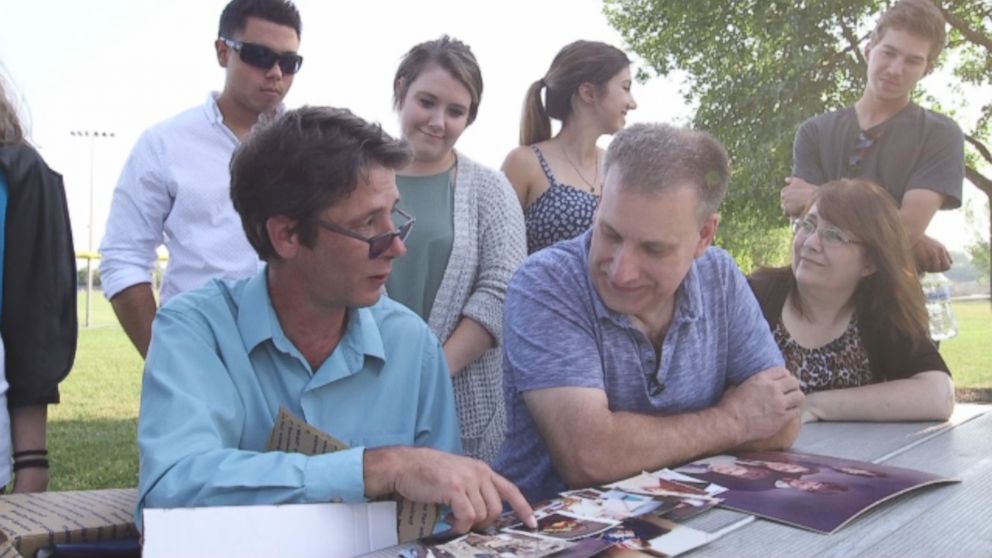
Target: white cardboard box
[{"x": 297, "y": 530}]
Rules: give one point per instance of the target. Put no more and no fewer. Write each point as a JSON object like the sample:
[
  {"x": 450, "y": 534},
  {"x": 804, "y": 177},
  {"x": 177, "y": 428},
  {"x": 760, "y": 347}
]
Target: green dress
[{"x": 417, "y": 276}]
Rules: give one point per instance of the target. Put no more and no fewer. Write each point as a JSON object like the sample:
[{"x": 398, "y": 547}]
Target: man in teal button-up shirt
[{"x": 316, "y": 192}]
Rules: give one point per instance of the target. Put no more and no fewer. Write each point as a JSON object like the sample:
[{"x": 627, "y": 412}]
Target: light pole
[{"x": 92, "y": 135}]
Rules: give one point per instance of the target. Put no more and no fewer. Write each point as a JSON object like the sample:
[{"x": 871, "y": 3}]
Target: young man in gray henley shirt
[
  {"x": 916, "y": 154},
  {"x": 637, "y": 345}
]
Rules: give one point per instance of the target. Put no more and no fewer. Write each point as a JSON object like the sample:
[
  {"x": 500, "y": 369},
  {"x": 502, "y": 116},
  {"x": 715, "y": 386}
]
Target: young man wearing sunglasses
[
  {"x": 311, "y": 332},
  {"x": 916, "y": 154},
  {"x": 174, "y": 189}
]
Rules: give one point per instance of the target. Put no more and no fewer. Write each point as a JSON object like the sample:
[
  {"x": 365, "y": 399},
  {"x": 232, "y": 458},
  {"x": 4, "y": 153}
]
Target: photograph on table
[
  {"x": 509, "y": 518},
  {"x": 611, "y": 505},
  {"x": 517, "y": 545},
  {"x": 474, "y": 545},
  {"x": 684, "y": 484},
  {"x": 668, "y": 483},
  {"x": 587, "y": 493},
  {"x": 680, "y": 510},
  {"x": 586, "y": 548},
  {"x": 414, "y": 551},
  {"x": 814, "y": 492},
  {"x": 653, "y": 536},
  {"x": 565, "y": 526}
]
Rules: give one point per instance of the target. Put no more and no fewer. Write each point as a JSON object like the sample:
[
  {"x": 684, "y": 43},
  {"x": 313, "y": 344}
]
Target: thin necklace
[{"x": 591, "y": 185}]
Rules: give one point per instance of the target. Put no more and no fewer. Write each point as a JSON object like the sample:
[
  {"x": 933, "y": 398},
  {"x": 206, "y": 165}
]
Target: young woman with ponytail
[{"x": 558, "y": 178}]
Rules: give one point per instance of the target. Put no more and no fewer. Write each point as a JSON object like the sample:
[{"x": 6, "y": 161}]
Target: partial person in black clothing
[
  {"x": 38, "y": 325},
  {"x": 849, "y": 315}
]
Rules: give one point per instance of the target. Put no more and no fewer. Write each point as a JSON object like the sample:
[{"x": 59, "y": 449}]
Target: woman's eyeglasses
[
  {"x": 263, "y": 57},
  {"x": 829, "y": 236},
  {"x": 379, "y": 243}
]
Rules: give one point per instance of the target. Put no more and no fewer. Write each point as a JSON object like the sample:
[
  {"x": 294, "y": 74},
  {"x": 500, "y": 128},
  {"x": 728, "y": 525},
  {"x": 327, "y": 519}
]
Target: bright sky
[{"x": 122, "y": 65}]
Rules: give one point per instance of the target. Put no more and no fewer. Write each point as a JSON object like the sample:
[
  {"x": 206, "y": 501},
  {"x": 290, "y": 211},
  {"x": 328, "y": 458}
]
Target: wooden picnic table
[{"x": 946, "y": 520}]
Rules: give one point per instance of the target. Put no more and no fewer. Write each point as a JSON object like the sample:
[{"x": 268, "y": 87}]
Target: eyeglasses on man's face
[
  {"x": 829, "y": 236},
  {"x": 379, "y": 243},
  {"x": 263, "y": 57}
]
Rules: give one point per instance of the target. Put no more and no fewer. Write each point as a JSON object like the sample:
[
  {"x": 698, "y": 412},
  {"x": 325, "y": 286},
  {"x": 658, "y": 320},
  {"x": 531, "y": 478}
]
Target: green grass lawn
[
  {"x": 92, "y": 433},
  {"x": 969, "y": 355}
]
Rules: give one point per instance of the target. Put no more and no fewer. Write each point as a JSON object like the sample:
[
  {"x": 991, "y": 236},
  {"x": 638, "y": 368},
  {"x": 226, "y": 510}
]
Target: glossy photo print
[{"x": 811, "y": 491}]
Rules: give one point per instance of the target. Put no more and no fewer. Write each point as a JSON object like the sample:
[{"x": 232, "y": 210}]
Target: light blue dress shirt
[{"x": 220, "y": 367}]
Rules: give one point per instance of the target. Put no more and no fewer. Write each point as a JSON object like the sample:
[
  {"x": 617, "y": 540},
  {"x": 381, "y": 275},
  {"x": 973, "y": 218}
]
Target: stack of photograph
[{"x": 643, "y": 515}]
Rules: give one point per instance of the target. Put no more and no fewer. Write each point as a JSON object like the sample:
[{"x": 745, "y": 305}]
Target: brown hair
[
  {"x": 656, "y": 157},
  {"x": 917, "y": 17},
  {"x": 454, "y": 56},
  {"x": 892, "y": 294},
  {"x": 577, "y": 63},
  {"x": 11, "y": 131},
  {"x": 303, "y": 162}
]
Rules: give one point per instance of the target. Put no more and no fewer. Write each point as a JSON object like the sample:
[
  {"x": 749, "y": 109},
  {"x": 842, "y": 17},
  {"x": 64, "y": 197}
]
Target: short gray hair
[{"x": 652, "y": 158}]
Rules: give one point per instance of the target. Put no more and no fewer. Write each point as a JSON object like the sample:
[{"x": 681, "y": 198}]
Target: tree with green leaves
[
  {"x": 978, "y": 250},
  {"x": 756, "y": 69}
]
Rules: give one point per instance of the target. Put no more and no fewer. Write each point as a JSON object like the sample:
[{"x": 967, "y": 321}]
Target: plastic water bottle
[{"x": 937, "y": 289}]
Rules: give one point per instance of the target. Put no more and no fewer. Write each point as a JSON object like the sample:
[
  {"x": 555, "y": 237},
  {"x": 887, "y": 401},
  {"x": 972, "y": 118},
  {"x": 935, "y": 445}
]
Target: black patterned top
[
  {"x": 889, "y": 358},
  {"x": 560, "y": 213},
  {"x": 841, "y": 363}
]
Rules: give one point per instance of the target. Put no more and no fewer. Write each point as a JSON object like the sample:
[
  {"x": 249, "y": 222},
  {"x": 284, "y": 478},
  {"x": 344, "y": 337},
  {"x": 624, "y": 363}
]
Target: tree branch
[
  {"x": 962, "y": 26},
  {"x": 980, "y": 147},
  {"x": 853, "y": 42},
  {"x": 981, "y": 182}
]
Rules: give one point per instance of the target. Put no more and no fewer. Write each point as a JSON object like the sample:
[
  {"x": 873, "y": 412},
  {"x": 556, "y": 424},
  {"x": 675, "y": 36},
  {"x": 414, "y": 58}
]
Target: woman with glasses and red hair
[
  {"x": 469, "y": 236},
  {"x": 849, "y": 314}
]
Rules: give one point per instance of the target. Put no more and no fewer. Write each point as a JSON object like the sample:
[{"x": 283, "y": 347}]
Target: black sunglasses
[
  {"x": 379, "y": 243},
  {"x": 861, "y": 148},
  {"x": 263, "y": 57}
]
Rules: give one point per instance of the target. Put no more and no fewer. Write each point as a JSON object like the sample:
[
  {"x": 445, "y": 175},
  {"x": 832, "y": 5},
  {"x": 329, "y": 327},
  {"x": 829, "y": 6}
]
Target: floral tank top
[{"x": 560, "y": 213}]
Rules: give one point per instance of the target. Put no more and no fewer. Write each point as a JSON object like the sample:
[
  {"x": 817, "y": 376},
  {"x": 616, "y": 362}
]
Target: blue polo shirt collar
[{"x": 690, "y": 295}]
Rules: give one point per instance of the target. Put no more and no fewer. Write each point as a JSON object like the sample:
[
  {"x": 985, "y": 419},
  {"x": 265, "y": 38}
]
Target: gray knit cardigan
[{"x": 490, "y": 243}]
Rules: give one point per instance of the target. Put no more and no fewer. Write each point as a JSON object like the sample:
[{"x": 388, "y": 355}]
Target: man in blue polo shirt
[
  {"x": 638, "y": 345},
  {"x": 316, "y": 193}
]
